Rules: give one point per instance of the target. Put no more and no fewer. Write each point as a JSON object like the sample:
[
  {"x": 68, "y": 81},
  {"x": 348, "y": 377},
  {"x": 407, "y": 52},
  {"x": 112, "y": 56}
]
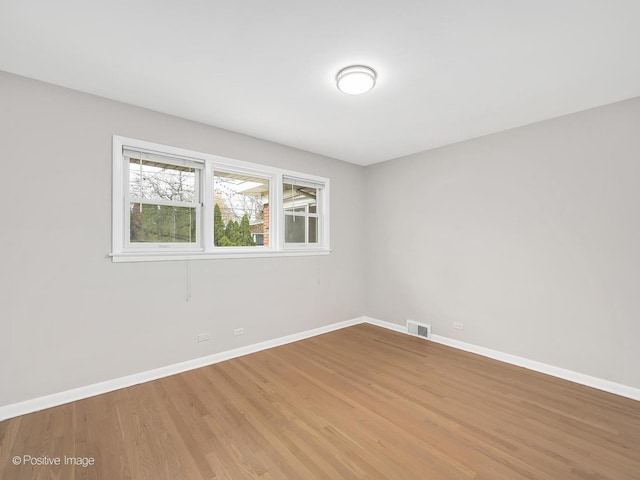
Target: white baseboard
[
  {"x": 388, "y": 325},
  {"x": 580, "y": 378},
  {"x": 48, "y": 401}
]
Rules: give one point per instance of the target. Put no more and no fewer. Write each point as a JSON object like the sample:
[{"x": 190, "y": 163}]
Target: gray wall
[
  {"x": 529, "y": 237},
  {"x": 70, "y": 317}
]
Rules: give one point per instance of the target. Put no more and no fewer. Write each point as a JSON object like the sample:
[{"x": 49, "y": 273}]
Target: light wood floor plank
[{"x": 358, "y": 403}]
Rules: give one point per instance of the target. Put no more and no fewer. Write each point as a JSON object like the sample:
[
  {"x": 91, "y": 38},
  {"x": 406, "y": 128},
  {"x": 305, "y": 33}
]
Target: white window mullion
[
  {"x": 207, "y": 200},
  {"x": 126, "y": 202},
  {"x": 323, "y": 220},
  {"x": 305, "y": 222},
  {"x": 198, "y": 220},
  {"x": 276, "y": 214}
]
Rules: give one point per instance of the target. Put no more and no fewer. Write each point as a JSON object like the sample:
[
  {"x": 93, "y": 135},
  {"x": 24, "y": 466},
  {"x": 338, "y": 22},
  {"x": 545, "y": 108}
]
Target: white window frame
[{"x": 125, "y": 251}]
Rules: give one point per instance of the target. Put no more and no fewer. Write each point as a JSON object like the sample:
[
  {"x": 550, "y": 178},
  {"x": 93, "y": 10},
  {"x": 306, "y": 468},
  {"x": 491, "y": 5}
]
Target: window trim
[{"x": 123, "y": 251}]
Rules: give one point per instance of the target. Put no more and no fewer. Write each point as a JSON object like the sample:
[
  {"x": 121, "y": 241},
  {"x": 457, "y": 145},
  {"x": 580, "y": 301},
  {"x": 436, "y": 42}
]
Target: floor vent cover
[{"x": 419, "y": 329}]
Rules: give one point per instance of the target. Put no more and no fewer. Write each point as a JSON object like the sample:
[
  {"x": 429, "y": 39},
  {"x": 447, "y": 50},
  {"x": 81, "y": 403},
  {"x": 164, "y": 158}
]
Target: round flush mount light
[{"x": 356, "y": 79}]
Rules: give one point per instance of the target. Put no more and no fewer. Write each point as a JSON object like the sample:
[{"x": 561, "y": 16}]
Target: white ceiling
[{"x": 448, "y": 70}]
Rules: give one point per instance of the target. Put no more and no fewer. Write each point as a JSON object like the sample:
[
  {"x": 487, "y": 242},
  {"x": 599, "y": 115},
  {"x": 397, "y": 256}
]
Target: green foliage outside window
[
  {"x": 161, "y": 223},
  {"x": 233, "y": 234}
]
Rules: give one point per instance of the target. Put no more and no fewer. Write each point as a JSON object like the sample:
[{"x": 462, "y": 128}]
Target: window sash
[
  {"x": 305, "y": 214},
  {"x": 129, "y": 199},
  {"x": 132, "y": 246},
  {"x": 305, "y": 219}
]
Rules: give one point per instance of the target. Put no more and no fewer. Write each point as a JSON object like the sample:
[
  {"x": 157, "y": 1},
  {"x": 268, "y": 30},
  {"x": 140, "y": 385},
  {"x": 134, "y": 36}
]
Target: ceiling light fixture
[{"x": 356, "y": 79}]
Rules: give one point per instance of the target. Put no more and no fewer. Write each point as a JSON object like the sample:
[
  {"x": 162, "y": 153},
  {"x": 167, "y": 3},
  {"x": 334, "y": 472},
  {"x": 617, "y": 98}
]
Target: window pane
[
  {"x": 297, "y": 198},
  {"x": 313, "y": 230},
  {"x": 294, "y": 229},
  {"x": 241, "y": 211},
  {"x": 258, "y": 238},
  {"x": 154, "y": 180},
  {"x": 162, "y": 224}
]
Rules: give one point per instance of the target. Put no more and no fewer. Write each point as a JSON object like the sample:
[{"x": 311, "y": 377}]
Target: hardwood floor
[{"x": 362, "y": 402}]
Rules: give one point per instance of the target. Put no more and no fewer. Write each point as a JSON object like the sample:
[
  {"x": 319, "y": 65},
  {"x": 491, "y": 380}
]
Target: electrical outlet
[
  {"x": 238, "y": 331},
  {"x": 203, "y": 337},
  {"x": 458, "y": 325}
]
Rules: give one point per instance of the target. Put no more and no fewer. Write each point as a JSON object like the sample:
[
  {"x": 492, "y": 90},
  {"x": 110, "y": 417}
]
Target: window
[
  {"x": 172, "y": 204},
  {"x": 164, "y": 199},
  {"x": 301, "y": 214},
  {"x": 240, "y": 202}
]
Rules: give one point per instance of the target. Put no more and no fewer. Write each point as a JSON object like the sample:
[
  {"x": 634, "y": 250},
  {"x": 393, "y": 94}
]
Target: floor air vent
[{"x": 419, "y": 329}]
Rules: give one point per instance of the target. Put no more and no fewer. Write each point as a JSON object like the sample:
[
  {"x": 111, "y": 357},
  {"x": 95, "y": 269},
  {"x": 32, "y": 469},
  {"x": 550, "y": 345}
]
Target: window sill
[{"x": 172, "y": 256}]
